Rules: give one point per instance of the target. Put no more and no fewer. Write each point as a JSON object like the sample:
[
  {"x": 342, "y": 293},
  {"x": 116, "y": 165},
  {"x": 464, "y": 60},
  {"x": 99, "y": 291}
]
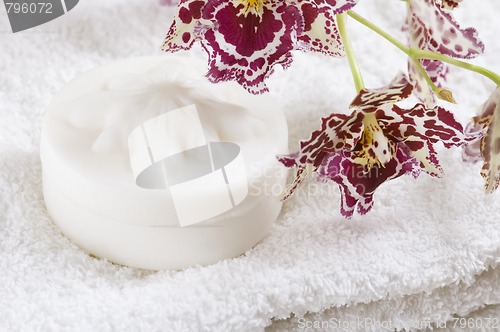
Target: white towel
[{"x": 430, "y": 248}]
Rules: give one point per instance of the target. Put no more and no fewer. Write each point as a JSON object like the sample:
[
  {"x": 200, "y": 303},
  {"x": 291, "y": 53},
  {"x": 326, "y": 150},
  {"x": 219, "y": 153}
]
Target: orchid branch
[
  {"x": 399, "y": 45},
  {"x": 423, "y": 54},
  {"x": 349, "y": 50},
  {"x": 378, "y": 30},
  {"x": 416, "y": 54}
]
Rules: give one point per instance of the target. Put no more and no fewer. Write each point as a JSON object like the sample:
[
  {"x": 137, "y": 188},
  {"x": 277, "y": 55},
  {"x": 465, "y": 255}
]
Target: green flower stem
[
  {"x": 378, "y": 30},
  {"x": 417, "y": 54},
  {"x": 399, "y": 45},
  {"x": 351, "y": 57},
  {"x": 424, "y": 74},
  {"x": 423, "y": 54}
]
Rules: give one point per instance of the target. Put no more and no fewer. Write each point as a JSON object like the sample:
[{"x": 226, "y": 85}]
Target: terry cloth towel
[{"x": 429, "y": 251}]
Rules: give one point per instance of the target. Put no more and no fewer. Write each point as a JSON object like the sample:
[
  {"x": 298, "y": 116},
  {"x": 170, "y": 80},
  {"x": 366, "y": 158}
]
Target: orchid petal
[
  {"x": 490, "y": 143},
  {"x": 333, "y": 136},
  {"x": 439, "y": 124},
  {"x": 340, "y": 169},
  {"x": 369, "y": 100},
  {"x": 436, "y": 70},
  {"x": 471, "y": 152},
  {"x": 433, "y": 124},
  {"x": 181, "y": 35},
  {"x": 320, "y": 32},
  {"x": 338, "y": 131},
  {"x": 442, "y": 33},
  {"x": 419, "y": 33},
  {"x": 357, "y": 185},
  {"x": 300, "y": 175},
  {"x": 376, "y": 147},
  {"x": 476, "y": 129},
  {"x": 486, "y": 114},
  {"x": 424, "y": 152},
  {"x": 336, "y": 6},
  {"x": 419, "y": 128}
]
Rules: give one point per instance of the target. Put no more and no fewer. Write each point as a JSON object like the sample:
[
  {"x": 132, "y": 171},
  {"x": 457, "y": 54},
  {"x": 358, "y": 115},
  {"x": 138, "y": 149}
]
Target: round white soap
[{"x": 148, "y": 164}]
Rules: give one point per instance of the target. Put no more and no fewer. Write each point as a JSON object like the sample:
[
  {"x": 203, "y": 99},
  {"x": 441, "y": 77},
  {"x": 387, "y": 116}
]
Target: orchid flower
[
  {"x": 485, "y": 127},
  {"x": 433, "y": 29},
  {"x": 245, "y": 39},
  {"x": 377, "y": 142}
]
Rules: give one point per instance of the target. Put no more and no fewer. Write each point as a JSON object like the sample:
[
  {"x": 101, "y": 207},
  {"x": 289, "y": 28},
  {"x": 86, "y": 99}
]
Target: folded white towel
[
  {"x": 470, "y": 305},
  {"x": 420, "y": 254}
]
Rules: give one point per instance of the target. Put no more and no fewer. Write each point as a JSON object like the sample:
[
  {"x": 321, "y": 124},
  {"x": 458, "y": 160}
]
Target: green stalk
[
  {"x": 416, "y": 54},
  {"x": 424, "y": 74},
  {"x": 381, "y": 32},
  {"x": 399, "y": 45},
  {"x": 349, "y": 50},
  {"x": 423, "y": 54}
]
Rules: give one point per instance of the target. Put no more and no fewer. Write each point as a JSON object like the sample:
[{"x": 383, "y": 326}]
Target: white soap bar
[{"x": 147, "y": 164}]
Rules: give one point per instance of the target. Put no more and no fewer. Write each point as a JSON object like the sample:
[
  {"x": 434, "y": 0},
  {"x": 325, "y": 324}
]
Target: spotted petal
[
  {"x": 425, "y": 153},
  {"x": 434, "y": 124},
  {"x": 370, "y": 100},
  {"x": 181, "y": 35},
  {"x": 357, "y": 185},
  {"x": 442, "y": 33},
  {"x": 490, "y": 151},
  {"x": 320, "y": 31},
  {"x": 338, "y": 131},
  {"x": 419, "y": 128},
  {"x": 335, "y": 6},
  {"x": 334, "y": 135},
  {"x": 471, "y": 152},
  {"x": 488, "y": 122},
  {"x": 477, "y": 128},
  {"x": 416, "y": 26},
  {"x": 300, "y": 175}
]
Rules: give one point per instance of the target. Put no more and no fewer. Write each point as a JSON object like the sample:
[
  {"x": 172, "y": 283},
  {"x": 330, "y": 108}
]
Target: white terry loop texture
[{"x": 430, "y": 249}]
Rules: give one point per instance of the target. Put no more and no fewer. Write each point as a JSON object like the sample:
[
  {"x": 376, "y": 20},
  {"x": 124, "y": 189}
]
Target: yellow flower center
[
  {"x": 375, "y": 146},
  {"x": 253, "y": 5}
]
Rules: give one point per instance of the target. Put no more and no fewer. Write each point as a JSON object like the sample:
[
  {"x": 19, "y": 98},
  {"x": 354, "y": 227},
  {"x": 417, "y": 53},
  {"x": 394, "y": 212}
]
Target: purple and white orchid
[
  {"x": 377, "y": 142},
  {"x": 245, "y": 39}
]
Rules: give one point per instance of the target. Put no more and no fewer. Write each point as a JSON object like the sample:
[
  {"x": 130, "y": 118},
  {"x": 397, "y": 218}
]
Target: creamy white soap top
[{"x": 88, "y": 124}]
